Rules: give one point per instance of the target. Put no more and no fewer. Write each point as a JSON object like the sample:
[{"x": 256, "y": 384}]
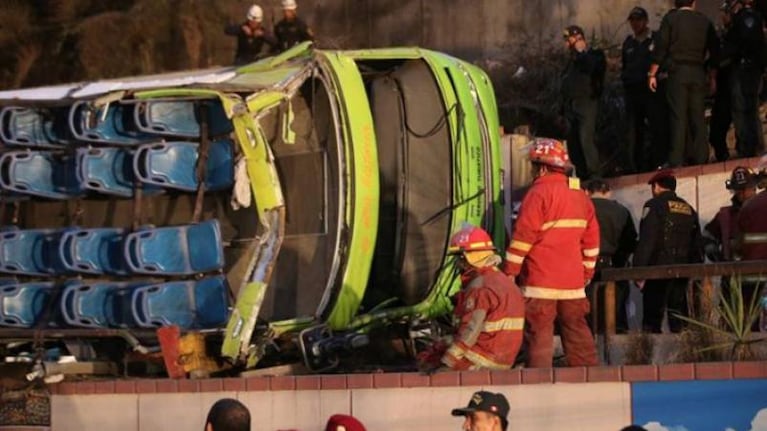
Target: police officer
[
  {"x": 721, "y": 112},
  {"x": 687, "y": 39},
  {"x": 669, "y": 233},
  {"x": 643, "y": 107},
  {"x": 253, "y": 41},
  {"x": 744, "y": 49},
  {"x": 582, "y": 85},
  {"x": 291, "y": 30},
  {"x": 617, "y": 240}
]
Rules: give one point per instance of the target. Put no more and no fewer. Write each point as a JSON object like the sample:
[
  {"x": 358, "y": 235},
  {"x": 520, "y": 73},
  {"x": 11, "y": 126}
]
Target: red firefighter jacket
[
  {"x": 491, "y": 311},
  {"x": 752, "y": 224},
  {"x": 555, "y": 244}
]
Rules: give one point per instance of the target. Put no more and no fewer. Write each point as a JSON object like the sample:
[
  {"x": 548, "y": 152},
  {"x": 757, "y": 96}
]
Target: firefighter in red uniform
[
  {"x": 724, "y": 227},
  {"x": 553, "y": 253},
  {"x": 752, "y": 225},
  {"x": 489, "y": 307}
]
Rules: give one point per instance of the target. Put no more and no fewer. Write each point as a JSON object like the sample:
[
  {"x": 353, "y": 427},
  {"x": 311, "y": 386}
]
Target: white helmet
[
  {"x": 255, "y": 13},
  {"x": 289, "y": 4}
]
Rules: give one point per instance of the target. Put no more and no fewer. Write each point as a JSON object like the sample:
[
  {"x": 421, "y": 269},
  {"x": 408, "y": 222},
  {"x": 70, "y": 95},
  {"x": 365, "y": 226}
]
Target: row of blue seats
[
  {"x": 115, "y": 171},
  {"x": 197, "y": 304},
  {"x": 118, "y": 123},
  {"x": 162, "y": 251}
]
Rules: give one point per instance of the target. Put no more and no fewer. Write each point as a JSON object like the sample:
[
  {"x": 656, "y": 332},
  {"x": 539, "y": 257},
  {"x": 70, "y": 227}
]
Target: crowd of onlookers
[{"x": 666, "y": 76}]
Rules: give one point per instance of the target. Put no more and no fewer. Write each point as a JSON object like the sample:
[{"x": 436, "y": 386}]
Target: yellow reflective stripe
[
  {"x": 589, "y": 265},
  {"x": 521, "y": 246},
  {"x": 564, "y": 223},
  {"x": 456, "y": 351},
  {"x": 506, "y": 324},
  {"x": 513, "y": 258},
  {"x": 550, "y": 293},
  {"x": 753, "y": 238},
  {"x": 484, "y": 362},
  {"x": 591, "y": 252}
]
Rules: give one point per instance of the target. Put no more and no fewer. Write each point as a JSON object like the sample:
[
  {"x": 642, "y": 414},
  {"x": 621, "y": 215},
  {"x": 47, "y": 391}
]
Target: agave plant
[{"x": 735, "y": 319}]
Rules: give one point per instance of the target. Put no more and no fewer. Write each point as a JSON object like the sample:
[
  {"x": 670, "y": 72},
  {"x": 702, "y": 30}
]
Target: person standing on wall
[
  {"x": 253, "y": 41},
  {"x": 644, "y": 109},
  {"x": 553, "y": 252},
  {"x": 721, "y": 112},
  {"x": 582, "y": 85},
  {"x": 744, "y": 50},
  {"x": 669, "y": 234},
  {"x": 291, "y": 30},
  {"x": 617, "y": 240},
  {"x": 687, "y": 44}
]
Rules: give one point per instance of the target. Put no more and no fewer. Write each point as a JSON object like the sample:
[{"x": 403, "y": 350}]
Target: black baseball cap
[
  {"x": 638, "y": 12},
  {"x": 487, "y": 402},
  {"x": 572, "y": 30}
]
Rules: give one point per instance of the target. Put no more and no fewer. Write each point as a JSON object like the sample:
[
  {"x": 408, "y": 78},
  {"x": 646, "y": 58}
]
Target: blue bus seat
[
  {"x": 22, "y": 305},
  {"x": 31, "y": 252},
  {"x": 109, "y": 171},
  {"x": 107, "y": 124},
  {"x": 180, "y": 118},
  {"x": 93, "y": 251},
  {"x": 175, "y": 250},
  {"x": 39, "y": 174},
  {"x": 189, "y": 304},
  {"x": 172, "y": 165},
  {"x": 98, "y": 304},
  {"x": 32, "y": 128}
]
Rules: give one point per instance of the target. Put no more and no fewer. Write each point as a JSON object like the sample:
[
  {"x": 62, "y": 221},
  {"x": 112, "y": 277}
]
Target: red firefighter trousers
[{"x": 577, "y": 340}]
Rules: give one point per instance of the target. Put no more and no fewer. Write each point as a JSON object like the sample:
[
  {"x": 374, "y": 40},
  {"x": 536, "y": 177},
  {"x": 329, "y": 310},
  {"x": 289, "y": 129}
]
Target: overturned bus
[{"x": 290, "y": 210}]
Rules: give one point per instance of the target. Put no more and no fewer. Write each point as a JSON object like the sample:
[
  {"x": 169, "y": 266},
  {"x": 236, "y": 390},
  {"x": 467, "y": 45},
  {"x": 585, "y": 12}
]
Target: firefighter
[
  {"x": 490, "y": 309},
  {"x": 553, "y": 253},
  {"x": 669, "y": 234},
  {"x": 253, "y": 40},
  {"x": 752, "y": 227},
  {"x": 291, "y": 30},
  {"x": 723, "y": 228}
]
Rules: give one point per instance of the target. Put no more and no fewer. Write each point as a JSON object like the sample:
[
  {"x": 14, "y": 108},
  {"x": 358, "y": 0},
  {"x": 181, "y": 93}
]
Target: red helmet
[
  {"x": 470, "y": 238},
  {"x": 549, "y": 152}
]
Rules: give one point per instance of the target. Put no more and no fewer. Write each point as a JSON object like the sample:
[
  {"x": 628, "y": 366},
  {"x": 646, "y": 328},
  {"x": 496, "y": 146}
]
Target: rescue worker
[
  {"x": 687, "y": 40},
  {"x": 582, "y": 84},
  {"x": 553, "y": 253},
  {"x": 723, "y": 228},
  {"x": 490, "y": 309},
  {"x": 253, "y": 40},
  {"x": 752, "y": 227},
  {"x": 721, "y": 112},
  {"x": 291, "y": 30},
  {"x": 617, "y": 240},
  {"x": 669, "y": 234},
  {"x": 745, "y": 51},
  {"x": 644, "y": 108},
  {"x": 486, "y": 411}
]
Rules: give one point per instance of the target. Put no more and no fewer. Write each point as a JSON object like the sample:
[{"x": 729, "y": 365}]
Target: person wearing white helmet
[
  {"x": 291, "y": 30},
  {"x": 253, "y": 40}
]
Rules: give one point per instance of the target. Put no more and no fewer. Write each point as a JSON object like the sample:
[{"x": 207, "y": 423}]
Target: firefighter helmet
[
  {"x": 470, "y": 238},
  {"x": 741, "y": 178},
  {"x": 549, "y": 152},
  {"x": 255, "y": 13},
  {"x": 289, "y": 4}
]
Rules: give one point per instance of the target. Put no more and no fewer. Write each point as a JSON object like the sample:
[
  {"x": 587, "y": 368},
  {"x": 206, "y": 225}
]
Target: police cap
[{"x": 661, "y": 174}]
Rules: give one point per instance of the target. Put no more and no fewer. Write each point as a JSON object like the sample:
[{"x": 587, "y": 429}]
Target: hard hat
[
  {"x": 255, "y": 13},
  {"x": 549, "y": 152},
  {"x": 661, "y": 174},
  {"x": 741, "y": 178},
  {"x": 470, "y": 238},
  {"x": 289, "y": 4}
]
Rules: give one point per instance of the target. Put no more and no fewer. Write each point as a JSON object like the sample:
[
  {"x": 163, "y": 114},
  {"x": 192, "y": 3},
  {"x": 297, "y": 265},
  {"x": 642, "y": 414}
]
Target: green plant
[
  {"x": 730, "y": 331},
  {"x": 640, "y": 349}
]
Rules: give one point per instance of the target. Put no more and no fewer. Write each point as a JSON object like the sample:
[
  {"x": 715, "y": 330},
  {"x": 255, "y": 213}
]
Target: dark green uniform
[
  {"x": 721, "y": 112},
  {"x": 744, "y": 50},
  {"x": 687, "y": 39},
  {"x": 293, "y": 32},
  {"x": 582, "y": 84},
  {"x": 668, "y": 234}
]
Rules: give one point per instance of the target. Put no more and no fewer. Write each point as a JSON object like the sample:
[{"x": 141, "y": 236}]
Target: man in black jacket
[
  {"x": 645, "y": 109},
  {"x": 253, "y": 41},
  {"x": 617, "y": 240},
  {"x": 687, "y": 44},
  {"x": 669, "y": 234},
  {"x": 291, "y": 30},
  {"x": 582, "y": 84}
]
